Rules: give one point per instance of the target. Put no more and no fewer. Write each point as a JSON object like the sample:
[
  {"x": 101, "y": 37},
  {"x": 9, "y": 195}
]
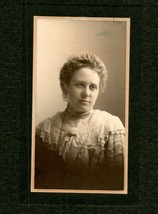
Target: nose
[{"x": 86, "y": 92}]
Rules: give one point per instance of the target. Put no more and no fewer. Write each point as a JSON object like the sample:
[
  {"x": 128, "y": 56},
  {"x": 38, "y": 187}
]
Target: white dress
[{"x": 89, "y": 145}]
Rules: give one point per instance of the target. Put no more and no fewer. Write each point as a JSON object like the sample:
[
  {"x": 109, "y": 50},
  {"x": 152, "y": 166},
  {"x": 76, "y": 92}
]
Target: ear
[{"x": 65, "y": 88}]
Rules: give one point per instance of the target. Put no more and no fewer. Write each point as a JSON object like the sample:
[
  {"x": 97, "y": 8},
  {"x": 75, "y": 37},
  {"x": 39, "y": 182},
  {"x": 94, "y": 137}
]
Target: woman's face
[{"x": 83, "y": 89}]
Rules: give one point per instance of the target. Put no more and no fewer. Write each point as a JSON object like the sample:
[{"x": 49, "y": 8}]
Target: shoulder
[
  {"x": 111, "y": 122},
  {"x": 47, "y": 124},
  {"x": 45, "y": 128}
]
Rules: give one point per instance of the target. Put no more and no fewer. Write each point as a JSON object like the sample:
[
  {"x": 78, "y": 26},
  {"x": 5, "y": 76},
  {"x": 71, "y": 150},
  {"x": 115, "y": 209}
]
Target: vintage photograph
[{"x": 80, "y": 105}]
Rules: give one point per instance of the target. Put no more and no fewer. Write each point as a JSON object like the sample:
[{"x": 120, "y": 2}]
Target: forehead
[{"x": 86, "y": 75}]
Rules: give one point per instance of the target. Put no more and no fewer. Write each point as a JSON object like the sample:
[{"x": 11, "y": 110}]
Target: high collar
[{"x": 71, "y": 112}]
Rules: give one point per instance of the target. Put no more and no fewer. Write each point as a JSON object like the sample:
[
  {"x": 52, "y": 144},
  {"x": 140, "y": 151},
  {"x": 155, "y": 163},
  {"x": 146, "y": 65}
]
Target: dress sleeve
[
  {"x": 115, "y": 144},
  {"x": 43, "y": 130},
  {"x": 48, "y": 164}
]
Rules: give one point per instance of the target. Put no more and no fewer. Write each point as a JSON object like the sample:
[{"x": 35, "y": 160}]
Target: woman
[{"x": 80, "y": 148}]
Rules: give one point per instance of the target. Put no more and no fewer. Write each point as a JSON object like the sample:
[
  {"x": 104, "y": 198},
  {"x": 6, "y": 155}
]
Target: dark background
[{"x": 16, "y": 95}]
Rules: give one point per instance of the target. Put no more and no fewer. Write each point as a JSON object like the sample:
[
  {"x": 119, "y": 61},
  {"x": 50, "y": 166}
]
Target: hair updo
[{"x": 85, "y": 60}]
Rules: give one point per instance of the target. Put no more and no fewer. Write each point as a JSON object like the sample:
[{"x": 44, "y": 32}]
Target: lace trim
[
  {"x": 64, "y": 142},
  {"x": 71, "y": 113},
  {"x": 102, "y": 142}
]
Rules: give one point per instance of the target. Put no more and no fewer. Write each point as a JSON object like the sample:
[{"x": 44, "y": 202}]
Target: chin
[{"x": 84, "y": 109}]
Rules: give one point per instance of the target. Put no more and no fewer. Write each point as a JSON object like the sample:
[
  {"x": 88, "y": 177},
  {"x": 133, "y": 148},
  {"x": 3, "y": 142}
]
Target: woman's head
[{"x": 81, "y": 79}]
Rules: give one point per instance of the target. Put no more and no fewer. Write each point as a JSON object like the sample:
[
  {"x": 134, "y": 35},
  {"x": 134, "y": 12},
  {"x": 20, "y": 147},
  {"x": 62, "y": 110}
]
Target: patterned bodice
[{"x": 85, "y": 141}]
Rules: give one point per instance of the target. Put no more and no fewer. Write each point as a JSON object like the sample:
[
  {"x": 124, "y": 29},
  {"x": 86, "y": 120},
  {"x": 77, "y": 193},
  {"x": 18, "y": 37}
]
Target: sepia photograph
[{"x": 80, "y": 105}]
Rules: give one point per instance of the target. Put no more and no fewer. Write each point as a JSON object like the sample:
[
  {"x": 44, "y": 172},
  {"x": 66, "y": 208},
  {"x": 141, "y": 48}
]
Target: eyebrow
[{"x": 81, "y": 81}]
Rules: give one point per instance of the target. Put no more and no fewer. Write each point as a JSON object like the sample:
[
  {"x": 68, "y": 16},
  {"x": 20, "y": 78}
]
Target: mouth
[{"x": 84, "y": 101}]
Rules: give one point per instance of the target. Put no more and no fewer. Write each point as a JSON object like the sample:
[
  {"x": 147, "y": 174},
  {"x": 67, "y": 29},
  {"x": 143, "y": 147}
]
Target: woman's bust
[{"x": 81, "y": 144}]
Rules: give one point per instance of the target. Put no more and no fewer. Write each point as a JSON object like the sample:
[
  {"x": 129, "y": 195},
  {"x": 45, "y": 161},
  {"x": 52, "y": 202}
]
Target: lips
[{"x": 84, "y": 101}]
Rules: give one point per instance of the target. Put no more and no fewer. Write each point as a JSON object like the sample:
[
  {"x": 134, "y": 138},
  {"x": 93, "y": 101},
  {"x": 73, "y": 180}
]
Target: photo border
[
  {"x": 127, "y": 61},
  {"x": 78, "y": 9}
]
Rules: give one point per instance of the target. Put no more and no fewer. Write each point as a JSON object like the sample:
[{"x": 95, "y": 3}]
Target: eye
[
  {"x": 79, "y": 85},
  {"x": 93, "y": 87}
]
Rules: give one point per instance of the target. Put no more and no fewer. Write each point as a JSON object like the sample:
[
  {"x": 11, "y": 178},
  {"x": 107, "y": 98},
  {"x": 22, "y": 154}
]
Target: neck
[{"x": 70, "y": 111}]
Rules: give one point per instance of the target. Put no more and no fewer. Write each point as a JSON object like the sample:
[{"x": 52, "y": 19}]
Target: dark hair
[{"x": 75, "y": 63}]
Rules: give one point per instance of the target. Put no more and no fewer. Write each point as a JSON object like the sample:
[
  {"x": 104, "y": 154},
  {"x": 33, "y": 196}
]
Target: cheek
[
  {"x": 96, "y": 93},
  {"x": 95, "y": 96},
  {"x": 73, "y": 92}
]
